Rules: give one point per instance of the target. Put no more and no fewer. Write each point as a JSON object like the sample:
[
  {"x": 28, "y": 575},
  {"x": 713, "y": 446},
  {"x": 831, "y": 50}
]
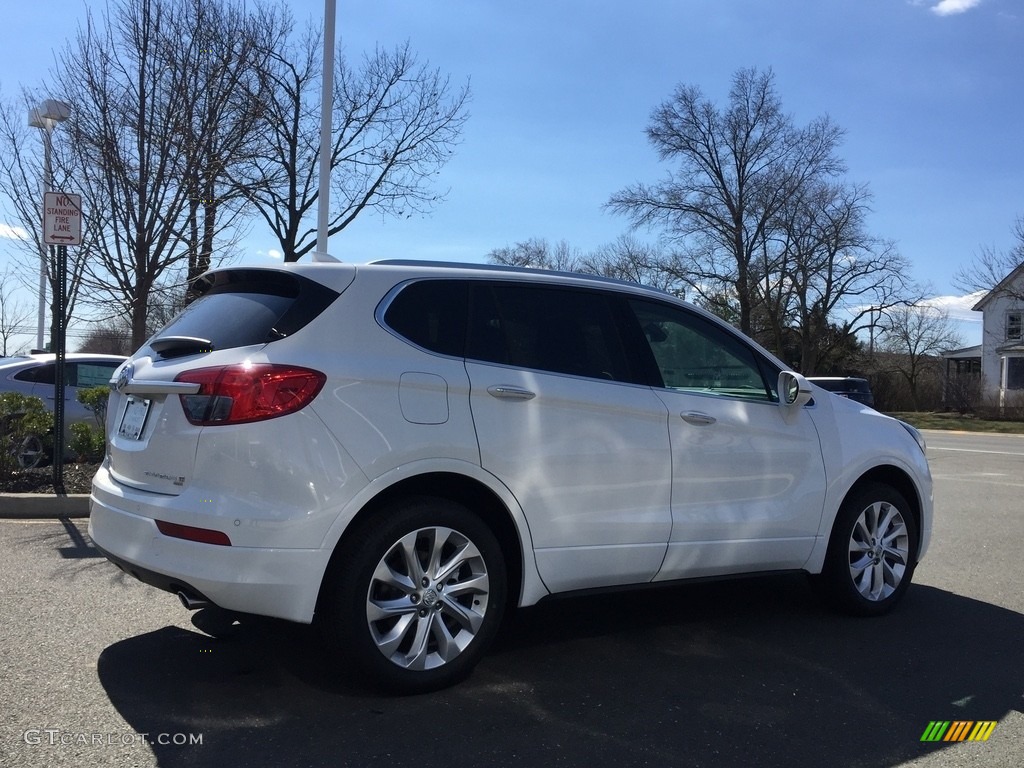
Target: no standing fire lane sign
[{"x": 62, "y": 218}]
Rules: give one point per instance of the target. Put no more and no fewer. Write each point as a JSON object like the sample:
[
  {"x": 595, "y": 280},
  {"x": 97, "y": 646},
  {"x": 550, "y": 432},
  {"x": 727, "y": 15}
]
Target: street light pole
[
  {"x": 326, "y": 105},
  {"x": 45, "y": 116}
]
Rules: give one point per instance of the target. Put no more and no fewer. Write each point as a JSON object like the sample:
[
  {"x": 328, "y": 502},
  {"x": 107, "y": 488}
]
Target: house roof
[
  {"x": 965, "y": 353},
  {"x": 1016, "y": 274}
]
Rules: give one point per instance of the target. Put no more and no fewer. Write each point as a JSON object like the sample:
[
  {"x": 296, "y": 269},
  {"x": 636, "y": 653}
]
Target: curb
[{"x": 28, "y": 506}]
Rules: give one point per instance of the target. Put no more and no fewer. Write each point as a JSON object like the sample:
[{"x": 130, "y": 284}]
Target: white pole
[
  {"x": 326, "y": 104},
  {"x": 41, "y": 319}
]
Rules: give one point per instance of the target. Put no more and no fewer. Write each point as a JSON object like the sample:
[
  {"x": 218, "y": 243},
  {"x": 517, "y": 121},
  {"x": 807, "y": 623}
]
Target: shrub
[
  {"x": 22, "y": 418},
  {"x": 95, "y": 399},
  {"x": 88, "y": 443}
]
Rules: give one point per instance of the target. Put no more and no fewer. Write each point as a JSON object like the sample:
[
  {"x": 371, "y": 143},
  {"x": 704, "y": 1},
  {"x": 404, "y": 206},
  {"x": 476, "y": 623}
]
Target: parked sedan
[{"x": 33, "y": 375}]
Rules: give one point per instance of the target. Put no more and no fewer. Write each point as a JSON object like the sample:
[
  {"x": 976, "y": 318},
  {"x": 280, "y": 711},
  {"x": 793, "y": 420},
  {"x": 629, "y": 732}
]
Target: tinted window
[
  {"x": 432, "y": 314},
  {"x": 551, "y": 329},
  {"x": 39, "y": 374},
  {"x": 239, "y": 308},
  {"x": 695, "y": 354}
]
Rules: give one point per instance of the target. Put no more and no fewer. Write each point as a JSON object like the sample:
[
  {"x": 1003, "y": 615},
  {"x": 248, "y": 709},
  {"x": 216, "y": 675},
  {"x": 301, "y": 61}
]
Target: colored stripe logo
[{"x": 958, "y": 730}]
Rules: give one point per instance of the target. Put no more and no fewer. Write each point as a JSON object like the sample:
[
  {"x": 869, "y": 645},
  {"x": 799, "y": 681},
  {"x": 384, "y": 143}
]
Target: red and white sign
[{"x": 62, "y": 218}]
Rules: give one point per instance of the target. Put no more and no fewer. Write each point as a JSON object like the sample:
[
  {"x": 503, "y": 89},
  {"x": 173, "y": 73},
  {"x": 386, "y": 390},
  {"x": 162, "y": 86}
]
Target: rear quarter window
[{"x": 431, "y": 314}]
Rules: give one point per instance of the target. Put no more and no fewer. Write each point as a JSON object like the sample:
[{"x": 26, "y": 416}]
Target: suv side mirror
[{"x": 794, "y": 389}]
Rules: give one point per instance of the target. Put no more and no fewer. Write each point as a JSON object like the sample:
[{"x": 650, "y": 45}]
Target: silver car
[{"x": 34, "y": 375}]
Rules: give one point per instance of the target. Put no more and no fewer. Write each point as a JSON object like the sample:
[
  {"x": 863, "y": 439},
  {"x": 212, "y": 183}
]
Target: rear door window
[{"x": 558, "y": 330}]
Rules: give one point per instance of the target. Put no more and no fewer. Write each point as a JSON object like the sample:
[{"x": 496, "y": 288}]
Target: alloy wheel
[
  {"x": 879, "y": 550},
  {"x": 427, "y": 598}
]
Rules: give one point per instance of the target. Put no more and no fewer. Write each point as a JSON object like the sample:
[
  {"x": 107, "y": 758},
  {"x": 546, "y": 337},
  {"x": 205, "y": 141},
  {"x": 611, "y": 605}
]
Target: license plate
[{"x": 134, "y": 419}]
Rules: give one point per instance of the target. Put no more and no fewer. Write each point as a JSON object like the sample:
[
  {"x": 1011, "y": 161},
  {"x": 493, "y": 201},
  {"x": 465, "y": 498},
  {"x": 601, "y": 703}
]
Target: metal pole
[
  {"x": 41, "y": 320},
  {"x": 326, "y": 104},
  {"x": 59, "y": 343}
]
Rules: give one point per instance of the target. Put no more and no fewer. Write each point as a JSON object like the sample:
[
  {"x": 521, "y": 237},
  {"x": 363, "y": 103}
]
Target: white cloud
[
  {"x": 13, "y": 233},
  {"x": 958, "y": 307},
  {"x": 950, "y": 7},
  {"x": 274, "y": 253}
]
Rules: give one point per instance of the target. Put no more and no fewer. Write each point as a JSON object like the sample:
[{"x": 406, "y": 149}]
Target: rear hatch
[{"x": 182, "y": 378}]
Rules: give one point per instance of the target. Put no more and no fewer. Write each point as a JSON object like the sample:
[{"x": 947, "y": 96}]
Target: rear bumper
[{"x": 282, "y": 583}]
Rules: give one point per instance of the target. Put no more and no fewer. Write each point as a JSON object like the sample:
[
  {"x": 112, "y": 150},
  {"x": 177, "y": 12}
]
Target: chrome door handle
[
  {"x": 698, "y": 419},
  {"x": 508, "y": 392}
]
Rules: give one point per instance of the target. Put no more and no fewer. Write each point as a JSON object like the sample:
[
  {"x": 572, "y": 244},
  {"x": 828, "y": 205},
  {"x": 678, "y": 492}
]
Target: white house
[{"x": 1002, "y": 342}]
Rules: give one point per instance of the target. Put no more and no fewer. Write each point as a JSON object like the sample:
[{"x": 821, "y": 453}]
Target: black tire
[
  {"x": 872, "y": 552},
  {"x": 415, "y": 595}
]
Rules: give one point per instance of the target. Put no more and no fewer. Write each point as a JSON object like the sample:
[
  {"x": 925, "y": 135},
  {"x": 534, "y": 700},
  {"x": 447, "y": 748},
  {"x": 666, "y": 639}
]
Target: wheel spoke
[
  {"x": 476, "y": 585},
  {"x": 383, "y": 610},
  {"x": 447, "y": 647},
  {"x": 388, "y": 576},
  {"x": 419, "y": 651},
  {"x": 892, "y": 518},
  {"x": 464, "y": 554},
  {"x": 389, "y": 642},
  {"x": 467, "y": 618},
  {"x": 413, "y": 566},
  {"x": 858, "y": 565}
]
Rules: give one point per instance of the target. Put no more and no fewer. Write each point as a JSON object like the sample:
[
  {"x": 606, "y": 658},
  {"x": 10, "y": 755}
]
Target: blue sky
[{"x": 930, "y": 93}]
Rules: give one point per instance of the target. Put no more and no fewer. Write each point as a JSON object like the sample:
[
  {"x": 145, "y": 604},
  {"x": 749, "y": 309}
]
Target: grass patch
[{"x": 955, "y": 421}]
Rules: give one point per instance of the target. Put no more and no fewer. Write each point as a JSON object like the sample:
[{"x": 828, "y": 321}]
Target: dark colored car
[{"x": 846, "y": 386}]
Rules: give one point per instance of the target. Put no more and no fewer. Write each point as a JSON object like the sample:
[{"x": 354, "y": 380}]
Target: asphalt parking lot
[{"x": 99, "y": 670}]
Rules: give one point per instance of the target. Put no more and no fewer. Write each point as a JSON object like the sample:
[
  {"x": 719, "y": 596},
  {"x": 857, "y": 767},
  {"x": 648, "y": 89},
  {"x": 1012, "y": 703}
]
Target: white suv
[{"x": 403, "y": 450}]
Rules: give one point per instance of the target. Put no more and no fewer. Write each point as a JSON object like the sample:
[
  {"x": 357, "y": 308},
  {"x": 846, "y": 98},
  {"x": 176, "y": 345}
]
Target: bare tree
[
  {"x": 156, "y": 118},
  {"x": 219, "y": 64},
  {"x": 637, "y": 262},
  {"x": 916, "y": 335},
  {"x": 536, "y": 253},
  {"x": 14, "y": 313},
  {"x": 990, "y": 267},
  {"x": 737, "y": 167},
  {"x": 396, "y": 123},
  {"x": 831, "y": 277}
]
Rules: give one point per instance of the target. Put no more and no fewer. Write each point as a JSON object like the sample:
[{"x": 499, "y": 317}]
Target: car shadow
[{"x": 747, "y": 672}]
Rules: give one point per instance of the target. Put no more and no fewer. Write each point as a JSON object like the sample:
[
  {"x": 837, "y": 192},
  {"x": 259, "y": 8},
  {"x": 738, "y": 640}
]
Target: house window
[
  {"x": 1013, "y": 326},
  {"x": 1015, "y": 373}
]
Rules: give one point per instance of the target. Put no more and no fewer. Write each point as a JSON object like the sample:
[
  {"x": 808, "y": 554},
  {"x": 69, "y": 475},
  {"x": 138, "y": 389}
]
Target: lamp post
[
  {"x": 46, "y": 116},
  {"x": 326, "y": 105}
]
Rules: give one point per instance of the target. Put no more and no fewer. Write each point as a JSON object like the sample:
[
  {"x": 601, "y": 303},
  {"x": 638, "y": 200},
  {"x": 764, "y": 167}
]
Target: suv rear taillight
[{"x": 236, "y": 394}]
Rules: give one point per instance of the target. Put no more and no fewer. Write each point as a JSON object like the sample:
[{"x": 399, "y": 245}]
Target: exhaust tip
[{"x": 191, "y": 602}]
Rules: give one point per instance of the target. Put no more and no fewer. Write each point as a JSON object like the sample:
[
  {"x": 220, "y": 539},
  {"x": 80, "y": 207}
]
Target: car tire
[
  {"x": 872, "y": 552},
  {"x": 415, "y": 595}
]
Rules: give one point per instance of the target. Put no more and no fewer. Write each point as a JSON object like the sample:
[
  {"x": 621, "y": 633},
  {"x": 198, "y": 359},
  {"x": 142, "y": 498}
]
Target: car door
[
  {"x": 562, "y": 423},
  {"x": 748, "y": 476}
]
